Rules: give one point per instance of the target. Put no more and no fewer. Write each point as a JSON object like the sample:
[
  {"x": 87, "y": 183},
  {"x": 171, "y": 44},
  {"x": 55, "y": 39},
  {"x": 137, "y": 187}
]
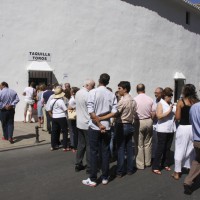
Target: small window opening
[{"x": 188, "y": 18}]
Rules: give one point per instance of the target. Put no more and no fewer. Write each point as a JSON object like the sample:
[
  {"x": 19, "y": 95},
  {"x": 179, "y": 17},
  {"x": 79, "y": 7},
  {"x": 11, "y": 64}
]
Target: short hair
[
  {"x": 32, "y": 84},
  {"x": 49, "y": 87},
  {"x": 140, "y": 87},
  {"x": 4, "y": 84},
  {"x": 125, "y": 85},
  {"x": 167, "y": 92},
  {"x": 160, "y": 88},
  {"x": 104, "y": 79},
  {"x": 75, "y": 89}
]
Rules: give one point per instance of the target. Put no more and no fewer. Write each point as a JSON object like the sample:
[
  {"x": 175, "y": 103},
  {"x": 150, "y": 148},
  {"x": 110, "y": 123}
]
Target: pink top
[{"x": 144, "y": 106}]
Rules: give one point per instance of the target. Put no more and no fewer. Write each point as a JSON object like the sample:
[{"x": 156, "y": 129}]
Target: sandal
[
  {"x": 176, "y": 175},
  {"x": 167, "y": 168},
  {"x": 156, "y": 171}
]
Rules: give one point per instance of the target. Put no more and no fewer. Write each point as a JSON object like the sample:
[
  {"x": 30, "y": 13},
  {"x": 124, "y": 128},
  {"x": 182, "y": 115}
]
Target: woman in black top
[{"x": 184, "y": 150}]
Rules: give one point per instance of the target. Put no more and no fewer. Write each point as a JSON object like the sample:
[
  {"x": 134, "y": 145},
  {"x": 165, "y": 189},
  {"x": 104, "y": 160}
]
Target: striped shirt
[{"x": 8, "y": 97}]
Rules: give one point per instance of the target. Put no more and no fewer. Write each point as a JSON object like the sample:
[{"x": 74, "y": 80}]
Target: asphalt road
[{"x": 38, "y": 174}]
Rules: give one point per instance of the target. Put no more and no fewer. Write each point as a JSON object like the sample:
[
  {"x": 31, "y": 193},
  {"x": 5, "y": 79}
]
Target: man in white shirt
[
  {"x": 82, "y": 123},
  {"x": 100, "y": 102},
  {"x": 30, "y": 94}
]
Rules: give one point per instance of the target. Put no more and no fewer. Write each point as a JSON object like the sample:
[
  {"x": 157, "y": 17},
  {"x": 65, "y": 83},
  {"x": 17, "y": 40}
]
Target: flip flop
[
  {"x": 158, "y": 172},
  {"x": 167, "y": 168}
]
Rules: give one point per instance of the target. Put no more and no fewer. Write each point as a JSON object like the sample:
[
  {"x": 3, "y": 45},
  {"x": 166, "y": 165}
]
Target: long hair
[{"x": 189, "y": 91}]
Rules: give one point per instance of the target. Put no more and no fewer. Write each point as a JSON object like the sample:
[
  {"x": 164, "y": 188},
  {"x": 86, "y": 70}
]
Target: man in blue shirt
[
  {"x": 8, "y": 101},
  {"x": 195, "y": 168}
]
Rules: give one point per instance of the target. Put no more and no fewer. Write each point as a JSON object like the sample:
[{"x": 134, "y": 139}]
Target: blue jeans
[
  {"x": 99, "y": 146},
  {"x": 124, "y": 133},
  {"x": 7, "y": 120}
]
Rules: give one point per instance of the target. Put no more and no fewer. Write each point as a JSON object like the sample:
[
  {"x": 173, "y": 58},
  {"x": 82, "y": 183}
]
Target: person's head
[
  {"x": 42, "y": 87},
  {"x": 49, "y": 87},
  {"x": 167, "y": 94},
  {"x": 32, "y": 84},
  {"x": 67, "y": 86},
  {"x": 140, "y": 88},
  {"x": 189, "y": 91},
  {"x": 74, "y": 90},
  {"x": 124, "y": 87},
  {"x": 104, "y": 79},
  {"x": 55, "y": 85},
  {"x": 4, "y": 85},
  {"x": 58, "y": 93},
  {"x": 158, "y": 93},
  {"x": 89, "y": 84}
]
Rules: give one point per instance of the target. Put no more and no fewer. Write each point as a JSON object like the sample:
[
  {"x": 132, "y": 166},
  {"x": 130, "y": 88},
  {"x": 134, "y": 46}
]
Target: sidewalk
[{"x": 24, "y": 136}]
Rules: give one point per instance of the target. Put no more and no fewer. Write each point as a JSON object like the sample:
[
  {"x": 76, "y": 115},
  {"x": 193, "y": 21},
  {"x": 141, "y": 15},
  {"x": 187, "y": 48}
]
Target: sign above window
[{"x": 39, "y": 56}]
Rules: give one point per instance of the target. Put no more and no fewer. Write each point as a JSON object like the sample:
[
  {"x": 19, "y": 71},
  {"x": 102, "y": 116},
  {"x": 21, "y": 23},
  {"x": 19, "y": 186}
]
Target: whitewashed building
[{"x": 156, "y": 42}]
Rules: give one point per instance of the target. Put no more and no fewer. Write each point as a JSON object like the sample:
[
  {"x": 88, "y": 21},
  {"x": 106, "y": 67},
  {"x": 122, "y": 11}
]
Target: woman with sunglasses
[
  {"x": 184, "y": 150},
  {"x": 165, "y": 131}
]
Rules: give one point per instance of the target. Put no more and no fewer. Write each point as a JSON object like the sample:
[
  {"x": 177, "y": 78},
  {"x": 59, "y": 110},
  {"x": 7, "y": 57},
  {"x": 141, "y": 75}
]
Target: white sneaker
[
  {"x": 105, "y": 181},
  {"x": 89, "y": 182}
]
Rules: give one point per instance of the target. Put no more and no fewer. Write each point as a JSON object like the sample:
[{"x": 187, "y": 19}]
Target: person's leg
[
  {"x": 31, "y": 112},
  {"x": 81, "y": 148},
  {"x": 140, "y": 160},
  {"x": 10, "y": 124},
  {"x": 159, "y": 150},
  {"x": 49, "y": 121},
  {"x": 94, "y": 148},
  {"x": 128, "y": 132},
  {"x": 71, "y": 133},
  {"x": 154, "y": 142},
  {"x": 120, "y": 149},
  {"x": 4, "y": 124},
  {"x": 167, "y": 153},
  {"x": 44, "y": 119},
  {"x": 105, "y": 150},
  {"x": 195, "y": 168},
  {"x": 63, "y": 125},
  {"x": 55, "y": 130},
  {"x": 25, "y": 111},
  {"x": 75, "y": 134},
  {"x": 86, "y": 136},
  {"x": 148, "y": 142}
]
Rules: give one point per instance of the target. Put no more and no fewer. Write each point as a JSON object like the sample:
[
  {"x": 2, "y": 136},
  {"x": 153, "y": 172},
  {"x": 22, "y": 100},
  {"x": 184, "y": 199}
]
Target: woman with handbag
[{"x": 59, "y": 121}]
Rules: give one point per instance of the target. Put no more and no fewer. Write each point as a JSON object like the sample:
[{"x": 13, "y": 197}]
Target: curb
[{"x": 23, "y": 147}]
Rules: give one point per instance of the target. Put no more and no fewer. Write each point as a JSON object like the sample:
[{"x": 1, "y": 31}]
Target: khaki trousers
[
  {"x": 143, "y": 142},
  {"x": 195, "y": 168},
  {"x": 45, "y": 119}
]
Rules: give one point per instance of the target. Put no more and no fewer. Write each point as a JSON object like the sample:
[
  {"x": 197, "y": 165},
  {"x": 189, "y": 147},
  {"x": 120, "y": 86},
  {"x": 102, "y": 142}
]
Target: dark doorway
[{"x": 38, "y": 81}]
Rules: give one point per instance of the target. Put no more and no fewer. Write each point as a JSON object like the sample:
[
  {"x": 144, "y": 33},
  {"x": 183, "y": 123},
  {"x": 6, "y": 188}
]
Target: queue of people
[{"x": 101, "y": 124}]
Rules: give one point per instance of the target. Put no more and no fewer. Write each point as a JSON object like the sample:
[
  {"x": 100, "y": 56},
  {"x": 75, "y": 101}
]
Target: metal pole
[{"x": 37, "y": 134}]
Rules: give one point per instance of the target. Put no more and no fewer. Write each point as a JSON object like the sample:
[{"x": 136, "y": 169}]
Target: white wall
[{"x": 134, "y": 40}]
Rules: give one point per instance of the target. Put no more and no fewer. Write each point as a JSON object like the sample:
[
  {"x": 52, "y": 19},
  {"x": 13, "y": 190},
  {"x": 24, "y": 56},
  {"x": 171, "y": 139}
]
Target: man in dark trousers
[
  {"x": 195, "y": 168},
  {"x": 8, "y": 102}
]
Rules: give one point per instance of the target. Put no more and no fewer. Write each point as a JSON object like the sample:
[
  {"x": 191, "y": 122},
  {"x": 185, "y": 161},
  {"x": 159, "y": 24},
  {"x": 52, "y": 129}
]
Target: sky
[{"x": 195, "y": 1}]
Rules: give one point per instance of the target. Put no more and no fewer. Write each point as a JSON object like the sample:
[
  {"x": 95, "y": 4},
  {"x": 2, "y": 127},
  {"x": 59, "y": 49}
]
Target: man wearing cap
[{"x": 58, "y": 112}]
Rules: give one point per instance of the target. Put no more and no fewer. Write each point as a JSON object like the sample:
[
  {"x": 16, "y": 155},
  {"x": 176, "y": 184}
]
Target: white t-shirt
[
  {"x": 59, "y": 108},
  {"x": 72, "y": 102},
  {"x": 29, "y": 91}
]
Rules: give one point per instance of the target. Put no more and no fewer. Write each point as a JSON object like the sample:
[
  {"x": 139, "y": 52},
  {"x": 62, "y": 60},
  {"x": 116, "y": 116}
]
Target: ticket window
[
  {"x": 179, "y": 83},
  {"x": 40, "y": 77}
]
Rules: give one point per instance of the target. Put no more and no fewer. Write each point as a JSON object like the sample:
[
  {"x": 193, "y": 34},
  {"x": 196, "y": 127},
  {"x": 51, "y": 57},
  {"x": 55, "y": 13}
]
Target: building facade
[{"x": 154, "y": 42}]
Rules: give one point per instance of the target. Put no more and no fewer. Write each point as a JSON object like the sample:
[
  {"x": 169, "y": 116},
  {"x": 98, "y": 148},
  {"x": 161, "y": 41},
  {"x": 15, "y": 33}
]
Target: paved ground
[
  {"x": 37, "y": 174},
  {"x": 24, "y": 136}
]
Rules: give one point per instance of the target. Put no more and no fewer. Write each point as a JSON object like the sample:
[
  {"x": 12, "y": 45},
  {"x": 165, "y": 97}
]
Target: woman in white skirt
[{"x": 184, "y": 150}]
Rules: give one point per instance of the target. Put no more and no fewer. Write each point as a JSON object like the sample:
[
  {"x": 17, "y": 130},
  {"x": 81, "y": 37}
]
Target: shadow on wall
[{"x": 167, "y": 10}]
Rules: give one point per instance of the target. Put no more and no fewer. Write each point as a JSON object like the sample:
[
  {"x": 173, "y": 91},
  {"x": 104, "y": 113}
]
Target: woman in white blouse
[{"x": 165, "y": 131}]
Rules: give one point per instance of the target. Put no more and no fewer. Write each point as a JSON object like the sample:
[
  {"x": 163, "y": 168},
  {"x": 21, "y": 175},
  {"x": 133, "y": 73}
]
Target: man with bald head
[
  {"x": 144, "y": 128},
  {"x": 82, "y": 123}
]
